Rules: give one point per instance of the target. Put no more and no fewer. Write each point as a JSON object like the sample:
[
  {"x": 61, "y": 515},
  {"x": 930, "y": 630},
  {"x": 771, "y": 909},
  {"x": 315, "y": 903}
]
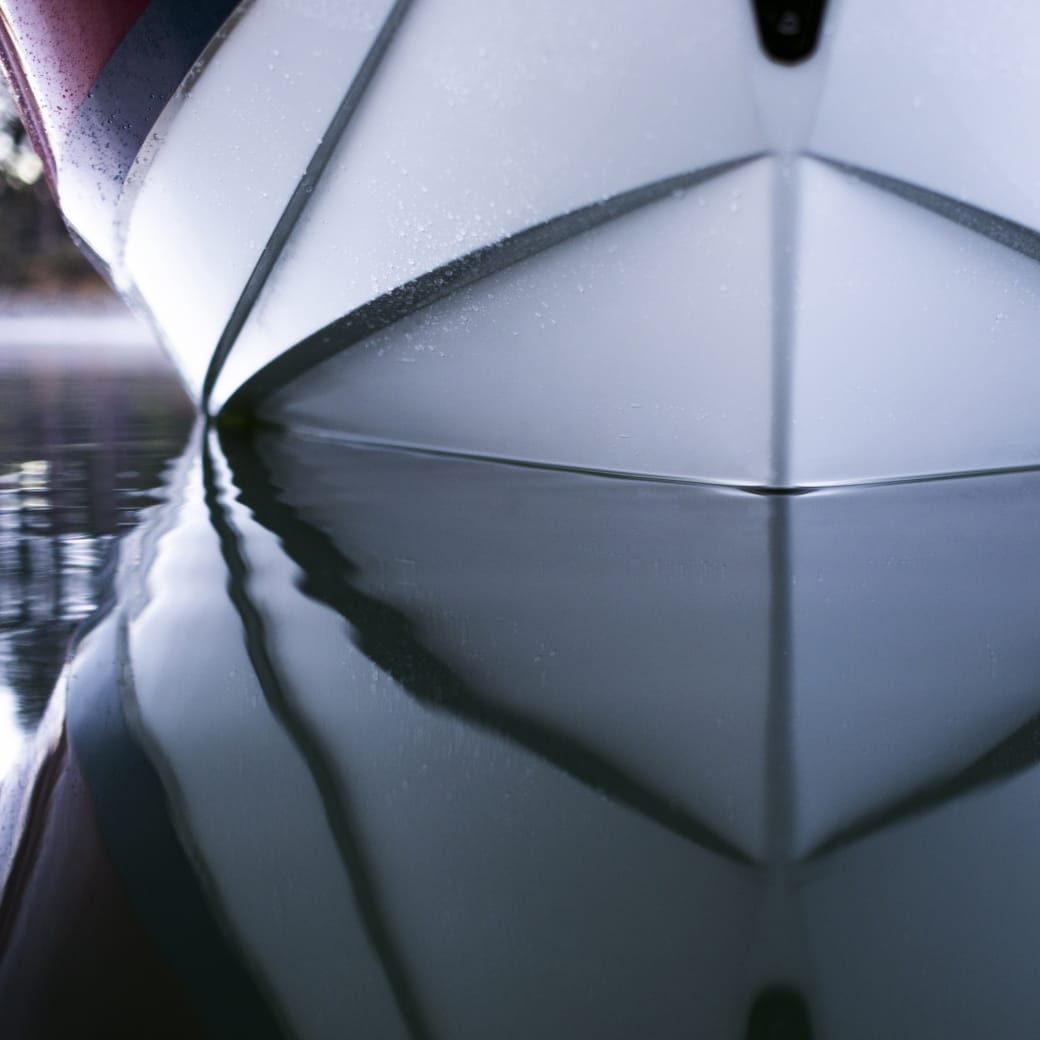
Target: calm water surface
[{"x": 83, "y": 447}]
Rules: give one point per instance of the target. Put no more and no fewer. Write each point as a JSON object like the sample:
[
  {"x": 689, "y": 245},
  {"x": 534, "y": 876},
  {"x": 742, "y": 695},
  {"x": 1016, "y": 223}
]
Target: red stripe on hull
[{"x": 59, "y": 49}]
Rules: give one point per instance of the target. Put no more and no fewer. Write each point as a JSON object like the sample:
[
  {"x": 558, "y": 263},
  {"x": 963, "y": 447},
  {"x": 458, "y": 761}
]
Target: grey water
[{"x": 85, "y": 433}]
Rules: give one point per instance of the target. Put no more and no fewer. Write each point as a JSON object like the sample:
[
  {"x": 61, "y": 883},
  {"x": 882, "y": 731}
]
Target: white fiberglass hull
[{"x": 596, "y": 237}]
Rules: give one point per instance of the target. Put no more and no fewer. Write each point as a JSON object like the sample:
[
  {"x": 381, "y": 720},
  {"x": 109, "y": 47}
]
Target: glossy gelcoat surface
[
  {"x": 207, "y": 192},
  {"x": 860, "y": 313}
]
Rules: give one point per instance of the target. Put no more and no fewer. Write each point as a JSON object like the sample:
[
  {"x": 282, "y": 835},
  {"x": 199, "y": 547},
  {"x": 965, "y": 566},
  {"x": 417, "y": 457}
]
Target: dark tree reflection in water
[{"x": 83, "y": 440}]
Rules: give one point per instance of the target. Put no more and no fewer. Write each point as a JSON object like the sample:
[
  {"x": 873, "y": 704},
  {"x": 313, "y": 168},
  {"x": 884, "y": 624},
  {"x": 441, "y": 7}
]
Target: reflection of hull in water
[
  {"x": 583, "y": 236},
  {"x": 651, "y": 755}
]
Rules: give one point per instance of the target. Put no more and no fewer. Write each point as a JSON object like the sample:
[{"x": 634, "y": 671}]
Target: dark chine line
[
  {"x": 449, "y": 278},
  {"x": 1013, "y": 755},
  {"x": 302, "y": 194},
  {"x": 407, "y": 448},
  {"x": 1006, "y": 232},
  {"x": 308, "y": 744},
  {"x": 934, "y": 478},
  {"x": 232, "y": 423},
  {"x": 387, "y": 637}
]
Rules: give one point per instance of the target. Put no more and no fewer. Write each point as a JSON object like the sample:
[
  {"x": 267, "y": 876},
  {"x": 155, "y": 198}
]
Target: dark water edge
[{"x": 82, "y": 446}]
